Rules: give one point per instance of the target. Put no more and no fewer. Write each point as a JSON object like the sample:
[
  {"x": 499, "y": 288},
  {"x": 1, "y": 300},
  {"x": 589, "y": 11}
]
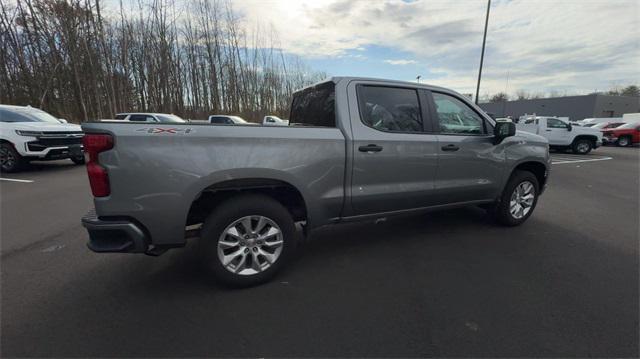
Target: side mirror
[
  {"x": 569, "y": 127},
  {"x": 504, "y": 130},
  {"x": 62, "y": 120}
]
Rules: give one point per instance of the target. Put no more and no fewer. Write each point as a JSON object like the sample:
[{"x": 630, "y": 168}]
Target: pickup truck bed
[{"x": 157, "y": 172}]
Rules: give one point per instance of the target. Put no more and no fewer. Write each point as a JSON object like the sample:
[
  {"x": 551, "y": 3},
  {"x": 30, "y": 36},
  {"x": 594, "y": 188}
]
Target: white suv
[{"x": 28, "y": 133}]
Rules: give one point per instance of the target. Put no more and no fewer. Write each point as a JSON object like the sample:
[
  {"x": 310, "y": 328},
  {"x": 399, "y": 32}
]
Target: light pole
[{"x": 484, "y": 40}]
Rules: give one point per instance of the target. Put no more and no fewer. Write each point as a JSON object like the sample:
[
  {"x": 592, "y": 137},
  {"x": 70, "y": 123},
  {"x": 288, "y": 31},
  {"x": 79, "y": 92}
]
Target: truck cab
[{"x": 561, "y": 134}]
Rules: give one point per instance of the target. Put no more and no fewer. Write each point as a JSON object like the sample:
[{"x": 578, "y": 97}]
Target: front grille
[
  {"x": 43, "y": 142},
  {"x": 62, "y": 133}
]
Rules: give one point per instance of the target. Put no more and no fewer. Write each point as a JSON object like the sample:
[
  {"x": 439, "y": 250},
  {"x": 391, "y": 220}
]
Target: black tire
[
  {"x": 501, "y": 211},
  {"x": 226, "y": 214},
  {"x": 78, "y": 160},
  {"x": 624, "y": 141},
  {"x": 582, "y": 146},
  {"x": 10, "y": 159}
]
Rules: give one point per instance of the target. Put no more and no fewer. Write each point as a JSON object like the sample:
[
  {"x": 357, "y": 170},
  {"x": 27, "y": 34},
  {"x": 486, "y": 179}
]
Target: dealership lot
[{"x": 443, "y": 284}]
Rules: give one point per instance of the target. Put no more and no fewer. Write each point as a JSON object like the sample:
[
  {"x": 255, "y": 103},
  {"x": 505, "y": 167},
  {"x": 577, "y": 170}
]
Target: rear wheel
[
  {"x": 247, "y": 239},
  {"x": 582, "y": 146},
  {"x": 10, "y": 159},
  {"x": 624, "y": 141},
  {"x": 518, "y": 199}
]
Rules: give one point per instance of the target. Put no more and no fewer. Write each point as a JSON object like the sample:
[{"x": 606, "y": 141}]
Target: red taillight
[{"x": 98, "y": 176}]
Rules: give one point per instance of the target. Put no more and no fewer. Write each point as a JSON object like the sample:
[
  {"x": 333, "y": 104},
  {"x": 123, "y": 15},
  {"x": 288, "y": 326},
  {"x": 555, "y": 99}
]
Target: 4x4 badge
[{"x": 156, "y": 130}]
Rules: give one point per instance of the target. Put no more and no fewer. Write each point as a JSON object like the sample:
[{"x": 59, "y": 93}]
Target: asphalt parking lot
[{"x": 564, "y": 284}]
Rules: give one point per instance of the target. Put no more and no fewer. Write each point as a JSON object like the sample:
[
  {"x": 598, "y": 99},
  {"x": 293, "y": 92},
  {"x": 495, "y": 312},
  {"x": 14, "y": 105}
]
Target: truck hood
[
  {"x": 587, "y": 131},
  {"x": 45, "y": 126}
]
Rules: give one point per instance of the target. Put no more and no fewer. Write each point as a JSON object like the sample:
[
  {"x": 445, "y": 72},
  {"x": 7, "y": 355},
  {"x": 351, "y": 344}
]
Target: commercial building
[{"x": 574, "y": 107}]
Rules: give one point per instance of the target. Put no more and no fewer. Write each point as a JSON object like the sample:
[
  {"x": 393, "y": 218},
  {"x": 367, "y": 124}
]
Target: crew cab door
[
  {"x": 470, "y": 165},
  {"x": 556, "y": 131},
  {"x": 394, "y": 153}
]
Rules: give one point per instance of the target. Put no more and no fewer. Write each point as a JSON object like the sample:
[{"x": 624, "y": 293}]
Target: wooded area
[{"x": 69, "y": 59}]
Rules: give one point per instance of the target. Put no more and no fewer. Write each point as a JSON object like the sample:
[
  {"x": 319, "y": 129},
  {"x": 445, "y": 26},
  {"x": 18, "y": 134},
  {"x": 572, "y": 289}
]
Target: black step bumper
[{"x": 114, "y": 236}]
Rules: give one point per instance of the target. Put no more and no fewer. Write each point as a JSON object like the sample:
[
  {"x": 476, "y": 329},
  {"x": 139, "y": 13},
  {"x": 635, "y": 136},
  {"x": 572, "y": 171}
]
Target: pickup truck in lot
[
  {"x": 356, "y": 149},
  {"x": 562, "y": 134}
]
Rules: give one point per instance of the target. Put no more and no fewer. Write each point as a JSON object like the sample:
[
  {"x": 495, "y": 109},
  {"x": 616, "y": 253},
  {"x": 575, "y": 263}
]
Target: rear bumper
[{"x": 114, "y": 236}]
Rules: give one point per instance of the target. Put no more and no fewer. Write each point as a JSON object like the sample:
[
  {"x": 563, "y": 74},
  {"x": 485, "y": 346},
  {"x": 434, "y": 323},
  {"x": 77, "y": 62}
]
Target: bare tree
[{"x": 70, "y": 60}]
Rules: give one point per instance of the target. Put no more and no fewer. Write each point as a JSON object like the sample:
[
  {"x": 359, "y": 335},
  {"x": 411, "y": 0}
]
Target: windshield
[
  {"x": 42, "y": 116},
  {"x": 26, "y": 115},
  {"x": 170, "y": 118}
]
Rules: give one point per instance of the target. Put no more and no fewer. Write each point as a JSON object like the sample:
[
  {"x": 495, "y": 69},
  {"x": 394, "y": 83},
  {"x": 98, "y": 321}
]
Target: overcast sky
[{"x": 541, "y": 46}]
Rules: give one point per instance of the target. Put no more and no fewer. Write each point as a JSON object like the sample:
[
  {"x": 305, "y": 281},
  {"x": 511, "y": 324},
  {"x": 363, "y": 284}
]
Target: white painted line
[
  {"x": 579, "y": 161},
  {"x": 15, "y": 180}
]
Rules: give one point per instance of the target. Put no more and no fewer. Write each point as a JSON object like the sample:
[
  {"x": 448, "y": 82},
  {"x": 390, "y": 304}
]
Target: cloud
[
  {"x": 535, "y": 44},
  {"x": 401, "y": 62}
]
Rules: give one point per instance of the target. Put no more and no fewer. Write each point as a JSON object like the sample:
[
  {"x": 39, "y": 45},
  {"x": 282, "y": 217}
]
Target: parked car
[
  {"x": 561, "y": 134},
  {"x": 588, "y": 122},
  {"x": 274, "y": 121},
  {"x": 28, "y": 133},
  {"x": 385, "y": 149},
  {"x": 623, "y": 136},
  {"x": 228, "y": 120},
  {"x": 604, "y": 125},
  {"x": 149, "y": 117}
]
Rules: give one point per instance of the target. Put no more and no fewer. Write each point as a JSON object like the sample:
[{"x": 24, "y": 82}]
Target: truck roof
[{"x": 336, "y": 79}]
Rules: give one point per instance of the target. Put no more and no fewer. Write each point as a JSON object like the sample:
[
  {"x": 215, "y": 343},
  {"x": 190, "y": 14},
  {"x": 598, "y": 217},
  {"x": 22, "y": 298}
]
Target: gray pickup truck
[{"x": 356, "y": 149}]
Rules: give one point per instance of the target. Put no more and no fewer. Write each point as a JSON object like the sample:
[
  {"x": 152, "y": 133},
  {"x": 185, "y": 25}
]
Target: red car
[{"x": 625, "y": 135}]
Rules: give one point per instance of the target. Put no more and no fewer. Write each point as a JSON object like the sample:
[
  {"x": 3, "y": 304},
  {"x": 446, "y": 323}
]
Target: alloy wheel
[
  {"x": 583, "y": 147},
  {"x": 250, "y": 245},
  {"x": 623, "y": 141},
  {"x": 7, "y": 159},
  {"x": 522, "y": 199}
]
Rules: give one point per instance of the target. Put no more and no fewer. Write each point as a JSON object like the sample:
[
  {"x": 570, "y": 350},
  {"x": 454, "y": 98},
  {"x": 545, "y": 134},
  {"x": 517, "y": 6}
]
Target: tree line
[{"x": 191, "y": 59}]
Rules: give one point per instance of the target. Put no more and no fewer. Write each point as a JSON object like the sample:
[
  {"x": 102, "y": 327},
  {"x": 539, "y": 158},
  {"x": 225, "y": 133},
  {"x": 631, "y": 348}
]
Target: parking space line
[
  {"x": 563, "y": 160},
  {"x": 16, "y": 180}
]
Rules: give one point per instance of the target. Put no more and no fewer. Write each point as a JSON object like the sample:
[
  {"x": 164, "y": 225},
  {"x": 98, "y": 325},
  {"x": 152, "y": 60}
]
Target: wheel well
[
  {"x": 281, "y": 191},
  {"x": 593, "y": 139},
  {"x": 538, "y": 169}
]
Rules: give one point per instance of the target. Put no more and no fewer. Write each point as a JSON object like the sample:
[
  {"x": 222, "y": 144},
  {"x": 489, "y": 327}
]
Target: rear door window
[
  {"x": 390, "y": 109},
  {"x": 314, "y": 106}
]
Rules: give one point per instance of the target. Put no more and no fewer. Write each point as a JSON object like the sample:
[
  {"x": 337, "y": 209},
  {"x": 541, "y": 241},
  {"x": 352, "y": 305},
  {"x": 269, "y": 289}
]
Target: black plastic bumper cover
[{"x": 114, "y": 236}]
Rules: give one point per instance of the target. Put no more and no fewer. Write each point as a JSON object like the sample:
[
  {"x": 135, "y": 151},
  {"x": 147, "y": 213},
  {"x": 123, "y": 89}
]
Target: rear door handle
[
  {"x": 450, "y": 147},
  {"x": 370, "y": 148},
  {"x": 548, "y": 130}
]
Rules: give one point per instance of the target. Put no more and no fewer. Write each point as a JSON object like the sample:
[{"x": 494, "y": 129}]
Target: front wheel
[
  {"x": 10, "y": 159},
  {"x": 518, "y": 199},
  {"x": 624, "y": 141},
  {"x": 247, "y": 239},
  {"x": 582, "y": 147}
]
